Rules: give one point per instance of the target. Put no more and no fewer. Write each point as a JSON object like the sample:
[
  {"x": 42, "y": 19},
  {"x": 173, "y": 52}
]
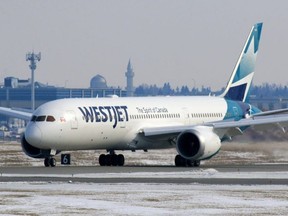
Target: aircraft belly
[
  {"x": 93, "y": 138},
  {"x": 163, "y": 144},
  {"x": 118, "y": 139}
]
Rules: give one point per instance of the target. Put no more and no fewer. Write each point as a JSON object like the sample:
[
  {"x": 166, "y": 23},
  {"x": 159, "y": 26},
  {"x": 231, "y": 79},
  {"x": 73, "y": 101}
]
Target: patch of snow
[{"x": 141, "y": 199}]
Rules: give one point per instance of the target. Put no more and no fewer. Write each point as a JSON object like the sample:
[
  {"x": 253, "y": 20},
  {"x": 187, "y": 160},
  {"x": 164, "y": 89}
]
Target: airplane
[{"x": 194, "y": 125}]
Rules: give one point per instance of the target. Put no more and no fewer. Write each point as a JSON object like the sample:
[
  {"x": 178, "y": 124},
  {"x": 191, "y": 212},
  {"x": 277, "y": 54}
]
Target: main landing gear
[
  {"x": 182, "y": 162},
  {"x": 50, "y": 162},
  {"x": 111, "y": 159}
]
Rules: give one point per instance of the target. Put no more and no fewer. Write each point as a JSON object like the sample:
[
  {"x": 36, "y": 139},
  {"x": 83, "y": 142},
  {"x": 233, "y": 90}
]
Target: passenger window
[
  {"x": 50, "y": 119},
  {"x": 40, "y": 118}
]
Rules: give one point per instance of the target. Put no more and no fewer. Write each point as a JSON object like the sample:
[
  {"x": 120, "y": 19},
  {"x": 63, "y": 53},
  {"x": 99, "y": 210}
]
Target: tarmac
[{"x": 234, "y": 174}]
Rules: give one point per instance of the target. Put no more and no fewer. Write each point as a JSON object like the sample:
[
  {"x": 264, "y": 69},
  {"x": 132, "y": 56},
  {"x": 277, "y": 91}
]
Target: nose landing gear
[{"x": 50, "y": 162}]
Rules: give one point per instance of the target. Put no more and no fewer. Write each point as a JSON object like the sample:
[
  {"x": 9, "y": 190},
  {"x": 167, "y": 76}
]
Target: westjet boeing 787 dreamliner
[{"x": 194, "y": 125}]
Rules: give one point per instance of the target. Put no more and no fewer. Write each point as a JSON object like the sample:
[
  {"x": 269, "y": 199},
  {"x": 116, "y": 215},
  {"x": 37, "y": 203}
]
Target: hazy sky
[{"x": 184, "y": 42}]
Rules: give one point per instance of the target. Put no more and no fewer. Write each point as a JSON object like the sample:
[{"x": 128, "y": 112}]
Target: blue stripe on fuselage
[{"x": 237, "y": 110}]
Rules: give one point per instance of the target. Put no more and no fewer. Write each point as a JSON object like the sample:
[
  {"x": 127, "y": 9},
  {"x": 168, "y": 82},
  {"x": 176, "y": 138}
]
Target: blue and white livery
[
  {"x": 241, "y": 79},
  {"x": 194, "y": 125}
]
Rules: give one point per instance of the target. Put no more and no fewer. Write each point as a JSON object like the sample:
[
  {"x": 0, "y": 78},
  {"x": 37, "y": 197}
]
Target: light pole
[{"x": 32, "y": 57}]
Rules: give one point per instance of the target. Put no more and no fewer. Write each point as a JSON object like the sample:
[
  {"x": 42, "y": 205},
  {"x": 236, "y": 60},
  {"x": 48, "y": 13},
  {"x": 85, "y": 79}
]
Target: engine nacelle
[
  {"x": 198, "y": 144},
  {"x": 32, "y": 151}
]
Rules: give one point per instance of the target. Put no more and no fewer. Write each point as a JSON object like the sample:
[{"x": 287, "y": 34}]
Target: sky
[{"x": 183, "y": 42}]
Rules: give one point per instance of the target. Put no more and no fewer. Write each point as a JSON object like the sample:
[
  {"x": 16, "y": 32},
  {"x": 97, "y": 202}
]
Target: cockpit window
[
  {"x": 40, "y": 118},
  {"x": 50, "y": 119},
  {"x": 33, "y": 119}
]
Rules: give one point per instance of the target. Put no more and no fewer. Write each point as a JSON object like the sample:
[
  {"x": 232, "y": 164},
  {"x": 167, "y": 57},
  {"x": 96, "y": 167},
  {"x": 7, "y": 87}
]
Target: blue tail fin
[{"x": 240, "y": 82}]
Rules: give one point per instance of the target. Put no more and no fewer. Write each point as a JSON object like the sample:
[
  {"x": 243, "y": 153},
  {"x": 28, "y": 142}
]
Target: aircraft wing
[
  {"x": 254, "y": 121},
  {"x": 224, "y": 128},
  {"x": 261, "y": 122},
  {"x": 21, "y": 114}
]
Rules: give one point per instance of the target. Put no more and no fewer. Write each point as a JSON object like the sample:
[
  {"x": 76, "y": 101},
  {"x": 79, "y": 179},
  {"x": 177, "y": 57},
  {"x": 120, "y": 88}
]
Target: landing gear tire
[
  {"x": 182, "y": 162},
  {"x": 196, "y": 163},
  {"x": 121, "y": 160},
  {"x": 108, "y": 160},
  {"x": 46, "y": 162},
  {"x": 189, "y": 163},
  {"x": 50, "y": 162},
  {"x": 114, "y": 160},
  {"x": 102, "y": 160},
  {"x": 111, "y": 160}
]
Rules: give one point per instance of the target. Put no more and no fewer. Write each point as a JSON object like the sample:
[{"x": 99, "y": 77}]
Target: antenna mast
[{"x": 32, "y": 57}]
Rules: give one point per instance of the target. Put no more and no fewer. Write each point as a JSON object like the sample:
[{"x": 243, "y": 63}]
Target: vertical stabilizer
[{"x": 241, "y": 79}]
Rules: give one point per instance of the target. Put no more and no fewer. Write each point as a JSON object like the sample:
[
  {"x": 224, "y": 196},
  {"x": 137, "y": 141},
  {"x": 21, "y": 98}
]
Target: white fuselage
[{"x": 116, "y": 123}]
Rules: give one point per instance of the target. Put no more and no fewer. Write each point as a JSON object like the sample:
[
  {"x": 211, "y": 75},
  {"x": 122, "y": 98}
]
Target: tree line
[{"x": 264, "y": 90}]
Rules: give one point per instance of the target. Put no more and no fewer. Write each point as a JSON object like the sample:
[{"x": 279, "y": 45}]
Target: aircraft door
[
  {"x": 71, "y": 117},
  {"x": 185, "y": 112},
  {"x": 121, "y": 123}
]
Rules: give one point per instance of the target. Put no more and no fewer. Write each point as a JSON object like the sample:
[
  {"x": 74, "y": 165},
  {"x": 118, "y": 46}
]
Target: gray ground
[{"x": 73, "y": 198}]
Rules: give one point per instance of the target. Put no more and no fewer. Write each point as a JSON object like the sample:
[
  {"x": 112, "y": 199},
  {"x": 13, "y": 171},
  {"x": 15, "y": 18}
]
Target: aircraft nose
[{"x": 33, "y": 135}]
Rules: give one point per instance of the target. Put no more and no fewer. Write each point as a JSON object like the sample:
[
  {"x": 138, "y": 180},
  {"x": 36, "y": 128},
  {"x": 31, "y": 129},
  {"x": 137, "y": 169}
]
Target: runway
[
  {"x": 271, "y": 174},
  {"x": 255, "y": 189},
  {"x": 238, "y": 163}
]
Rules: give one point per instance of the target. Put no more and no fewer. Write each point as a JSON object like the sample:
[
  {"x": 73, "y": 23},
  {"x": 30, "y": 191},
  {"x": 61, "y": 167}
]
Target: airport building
[{"x": 17, "y": 93}]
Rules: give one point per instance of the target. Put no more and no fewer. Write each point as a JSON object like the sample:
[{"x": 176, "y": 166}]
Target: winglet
[{"x": 240, "y": 82}]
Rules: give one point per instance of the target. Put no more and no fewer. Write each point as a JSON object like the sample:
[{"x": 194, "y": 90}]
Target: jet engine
[{"x": 198, "y": 143}]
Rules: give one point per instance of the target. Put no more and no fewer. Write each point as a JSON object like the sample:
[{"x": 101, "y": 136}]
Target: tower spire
[{"x": 129, "y": 74}]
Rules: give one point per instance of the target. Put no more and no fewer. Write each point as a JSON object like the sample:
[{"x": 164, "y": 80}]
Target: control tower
[{"x": 129, "y": 74}]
